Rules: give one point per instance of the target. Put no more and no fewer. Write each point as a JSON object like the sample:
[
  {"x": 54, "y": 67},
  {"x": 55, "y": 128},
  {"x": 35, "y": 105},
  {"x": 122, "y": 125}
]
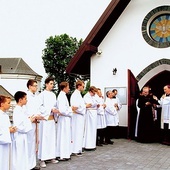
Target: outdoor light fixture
[
  {"x": 114, "y": 71},
  {"x": 99, "y": 52}
]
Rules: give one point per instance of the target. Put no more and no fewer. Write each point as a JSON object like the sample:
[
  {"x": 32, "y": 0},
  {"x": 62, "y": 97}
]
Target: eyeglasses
[{"x": 34, "y": 85}]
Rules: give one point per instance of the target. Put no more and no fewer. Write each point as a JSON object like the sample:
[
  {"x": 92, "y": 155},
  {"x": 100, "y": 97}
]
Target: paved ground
[{"x": 123, "y": 154}]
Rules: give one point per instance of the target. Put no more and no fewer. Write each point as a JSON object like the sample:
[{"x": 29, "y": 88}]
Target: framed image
[{"x": 122, "y": 93}]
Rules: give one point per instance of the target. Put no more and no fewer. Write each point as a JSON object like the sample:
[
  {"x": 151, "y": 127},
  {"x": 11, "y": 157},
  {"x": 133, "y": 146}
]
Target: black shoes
[
  {"x": 105, "y": 143},
  {"x": 99, "y": 144},
  {"x": 108, "y": 142},
  {"x": 36, "y": 168}
]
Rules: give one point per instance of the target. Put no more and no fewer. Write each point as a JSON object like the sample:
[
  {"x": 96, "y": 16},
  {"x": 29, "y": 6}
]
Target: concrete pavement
[{"x": 123, "y": 154}]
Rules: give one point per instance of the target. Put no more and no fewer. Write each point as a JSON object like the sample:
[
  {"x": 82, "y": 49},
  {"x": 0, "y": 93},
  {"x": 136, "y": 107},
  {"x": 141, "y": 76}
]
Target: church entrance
[
  {"x": 156, "y": 75},
  {"x": 158, "y": 82}
]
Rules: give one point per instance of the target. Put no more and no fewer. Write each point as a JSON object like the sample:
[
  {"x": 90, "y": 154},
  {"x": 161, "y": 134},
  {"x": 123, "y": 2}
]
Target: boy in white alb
[
  {"x": 5, "y": 130},
  {"x": 47, "y": 127},
  {"x": 90, "y": 119},
  {"x": 101, "y": 120},
  {"x": 77, "y": 120},
  {"x": 63, "y": 150},
  {"x": 19, "y": 142},
  {"x": 33, "y": 112}
]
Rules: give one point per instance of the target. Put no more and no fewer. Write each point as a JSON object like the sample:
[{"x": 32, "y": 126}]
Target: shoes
[
  {"x": 110, "y": 142},
  {"x": 64, "y": 159},
  {"x": 76, "y": 154},
  {"x": 105, "y": 143},
  {"x": 90, "y": 149},
  {"x": 42, "y": 164},
  {"x": 83, "y": 150},
  {"x": 166, "y": 143},
  {"x": 53, "y": 161},
  {"x": 99, "y": 144},
  {"x": 36, "y": 168}
]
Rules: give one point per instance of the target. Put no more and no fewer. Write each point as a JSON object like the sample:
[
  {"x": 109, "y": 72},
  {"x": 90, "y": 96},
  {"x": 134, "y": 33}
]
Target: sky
[{"x": 26, "y": 24}]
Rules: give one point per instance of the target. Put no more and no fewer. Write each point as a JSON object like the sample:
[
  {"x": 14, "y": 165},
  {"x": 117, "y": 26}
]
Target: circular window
[{"x": 156, "y": 27}]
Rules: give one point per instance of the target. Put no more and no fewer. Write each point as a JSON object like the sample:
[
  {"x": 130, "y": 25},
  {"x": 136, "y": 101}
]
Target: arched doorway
[
  {"x": 158, "y": 82},
  {"x": 156, "y": 75}
]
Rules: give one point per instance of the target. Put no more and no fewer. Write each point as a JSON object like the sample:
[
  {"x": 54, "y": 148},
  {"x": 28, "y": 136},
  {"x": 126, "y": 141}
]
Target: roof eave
[
  {"x": 20, "y": 76},
  {"x": 95, "y": 37}
]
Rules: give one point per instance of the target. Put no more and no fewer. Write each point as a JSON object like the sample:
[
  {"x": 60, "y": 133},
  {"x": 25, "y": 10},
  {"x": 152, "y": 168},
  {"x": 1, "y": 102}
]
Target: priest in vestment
[
  {"x": 165, "y": 115},
  {"x": 146, "y": 129}
]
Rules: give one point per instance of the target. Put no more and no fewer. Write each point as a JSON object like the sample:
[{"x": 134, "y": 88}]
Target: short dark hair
[
  {"x": 19, "y": 95},
  {"x": 48, "y": 79},
  {"x": 31, "y": 82},
  {"x": 114, "y": 90}
]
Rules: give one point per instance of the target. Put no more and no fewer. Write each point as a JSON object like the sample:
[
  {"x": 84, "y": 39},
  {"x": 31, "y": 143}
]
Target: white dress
[
  {"x": 90, "y": 122},
  {"x": 20, "y": 142},
  {"x": 47, "y": 128},
  {"x": 5, "y": 141},
  {"x": 63, "y": 127},
  {"x": 77, "y": 121}
]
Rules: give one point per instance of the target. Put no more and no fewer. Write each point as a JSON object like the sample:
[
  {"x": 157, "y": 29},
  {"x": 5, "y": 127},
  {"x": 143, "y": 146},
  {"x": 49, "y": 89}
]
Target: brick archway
[
  {"x": 156, "y": 68},
  {"x": 158, "y": 63}
]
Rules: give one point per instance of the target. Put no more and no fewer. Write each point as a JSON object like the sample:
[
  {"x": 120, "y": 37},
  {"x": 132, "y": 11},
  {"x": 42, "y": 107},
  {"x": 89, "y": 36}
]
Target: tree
[
  {"x": 86, "y": 88},
  {"x": 56, "y": 56}
]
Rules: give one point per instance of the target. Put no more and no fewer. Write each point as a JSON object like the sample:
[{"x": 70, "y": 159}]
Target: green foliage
[
  {"x": 56, "y": 56},
  {"x": 86, "y": 88}
]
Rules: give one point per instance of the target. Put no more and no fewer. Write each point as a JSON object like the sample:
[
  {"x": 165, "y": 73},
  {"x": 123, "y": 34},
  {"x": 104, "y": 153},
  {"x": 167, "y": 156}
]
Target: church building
[{"x": 128, "y": 48}]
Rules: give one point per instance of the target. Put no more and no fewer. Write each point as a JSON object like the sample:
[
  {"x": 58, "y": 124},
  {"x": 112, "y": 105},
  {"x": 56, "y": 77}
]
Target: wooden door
[{"x": 133, "y": 92}]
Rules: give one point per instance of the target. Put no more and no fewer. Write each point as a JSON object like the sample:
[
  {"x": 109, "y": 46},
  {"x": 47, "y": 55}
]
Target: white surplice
[
  {"x": 101, "y": 119},
  {"x": 32, "y": 109},
  {"x": 90, "y": 122},
  {"x": 63, "y": 127},
  {"x": 77, "y": 121},
  {"x": 20, "y": 142},
  {"x": 5, "y": 141},
  {"x": 47, "y": 128},
  {"x": 112, "y": 118},
  {"x": 165, "y": 115}
]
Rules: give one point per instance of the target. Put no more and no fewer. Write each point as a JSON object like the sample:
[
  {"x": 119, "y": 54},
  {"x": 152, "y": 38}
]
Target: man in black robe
[{"x": 147, "y": 105}]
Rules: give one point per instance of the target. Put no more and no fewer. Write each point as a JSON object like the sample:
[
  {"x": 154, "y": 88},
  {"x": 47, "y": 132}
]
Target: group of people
[
  {"x": 52, "y": 129},
  {"x": 148, "y": 105}
]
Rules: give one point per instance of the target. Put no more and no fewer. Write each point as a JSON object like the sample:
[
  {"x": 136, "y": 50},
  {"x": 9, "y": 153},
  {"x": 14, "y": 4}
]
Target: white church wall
[{"x": 125, "y": 48}]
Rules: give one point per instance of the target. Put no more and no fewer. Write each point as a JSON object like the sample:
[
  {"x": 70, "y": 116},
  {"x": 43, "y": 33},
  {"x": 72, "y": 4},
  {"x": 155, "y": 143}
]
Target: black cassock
[{"x": 146, "y": 130}]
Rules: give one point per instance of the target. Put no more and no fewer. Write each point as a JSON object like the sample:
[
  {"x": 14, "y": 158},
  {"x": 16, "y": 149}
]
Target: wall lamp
[
  {"x": 114, "y": 71},
  {"x": 99, "y": 52}
]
